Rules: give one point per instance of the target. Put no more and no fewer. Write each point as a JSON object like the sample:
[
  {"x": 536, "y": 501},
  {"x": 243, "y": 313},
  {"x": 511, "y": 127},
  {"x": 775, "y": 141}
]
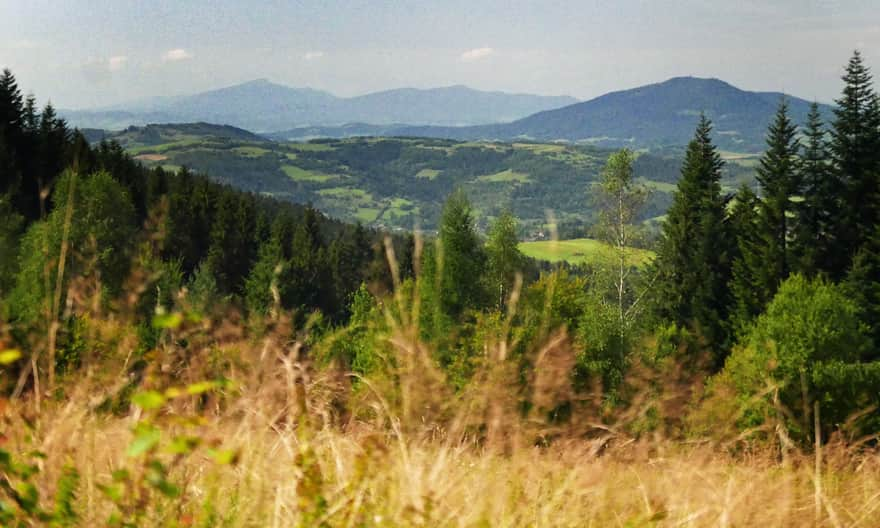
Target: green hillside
[
  {"x": 399, "y": 183},
  {"x": 581, "y": 251}
]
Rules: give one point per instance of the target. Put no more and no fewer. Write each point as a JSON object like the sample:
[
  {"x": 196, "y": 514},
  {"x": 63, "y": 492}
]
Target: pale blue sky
[{"x": 86, "y": 53}]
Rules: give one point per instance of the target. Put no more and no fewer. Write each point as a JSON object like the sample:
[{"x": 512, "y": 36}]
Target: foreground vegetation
[{"x": 278, "y": 438}]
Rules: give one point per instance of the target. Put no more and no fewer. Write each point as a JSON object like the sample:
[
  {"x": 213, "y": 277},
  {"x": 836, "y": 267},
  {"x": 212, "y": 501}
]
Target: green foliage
[
  {"x": 749, "y": 298},
  {"x": 813, "y": 242},
  {"x": 462, "y": 259},
  {"x": 261, "y": 286},
  {"x": 358, "y": 346},
  {"x": 20, "y": 501},
  {"x": 810, "y": 333},
  {"x": 855, "y": 152},
  {"x": 693, "y": 262},
  {"x": 504, "y": 258},
  {"x": 91, "y": 228},
  {"x": 143, "y": 488},
  {"x": 603, "y": 354},
  {"x": 11, "y": 226},
  {"x": 780, "y": 182}
]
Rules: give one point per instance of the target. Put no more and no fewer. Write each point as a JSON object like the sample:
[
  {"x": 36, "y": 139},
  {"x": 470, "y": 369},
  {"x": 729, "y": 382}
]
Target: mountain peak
[{"x": 262, "y": 81}]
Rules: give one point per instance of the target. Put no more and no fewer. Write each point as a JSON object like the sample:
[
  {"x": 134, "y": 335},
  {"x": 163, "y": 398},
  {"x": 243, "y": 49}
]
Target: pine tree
[
  {"x": 693, "y": 263},
  {"x": 303, "y": 280},
  {"x": 10, "y": 135},
  {"x": 349, "y": 260},
  {"x": 749, "y": 299},
  {"x": 863, "y": 285},
  {"x": 463, "y": 260},
  {"x": 10, "y": 107},
  {"x": 779, "y": 177},
  {"x": 813, "y": 232},
  {"x": 30, "y": 115},
  {"x": 261, "y": 291},
  {"x": 855, "y": 149}
]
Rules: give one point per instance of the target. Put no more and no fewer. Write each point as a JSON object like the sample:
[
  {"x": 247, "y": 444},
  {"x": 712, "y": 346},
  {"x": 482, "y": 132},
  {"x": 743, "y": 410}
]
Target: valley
[{"x": 400, "y": 183}]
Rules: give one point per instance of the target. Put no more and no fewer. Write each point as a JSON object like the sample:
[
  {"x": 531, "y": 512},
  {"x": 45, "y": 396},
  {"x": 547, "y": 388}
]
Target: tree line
[
  {"x": 773, "y": 292},
  {"x": 93, "y": 211}
]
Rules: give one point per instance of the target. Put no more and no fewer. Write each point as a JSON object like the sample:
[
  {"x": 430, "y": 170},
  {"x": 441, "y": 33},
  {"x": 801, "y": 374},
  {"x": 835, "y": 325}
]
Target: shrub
[{"x": 807, "y": 346}]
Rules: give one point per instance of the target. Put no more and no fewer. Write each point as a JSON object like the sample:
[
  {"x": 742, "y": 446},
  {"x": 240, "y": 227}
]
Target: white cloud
[
  {"x": 476, "y": 54},
  {"x": 175, "y": 55},
  {"x": 116, "y": 63},
  {"x": 100, "y": 69},
  {"x": 313, "y": 55}
]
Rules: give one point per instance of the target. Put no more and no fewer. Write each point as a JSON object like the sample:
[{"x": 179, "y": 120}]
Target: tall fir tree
[
  {"x": 10, "y": 133},
  {"x": 814, "y": 234},
  {"x": 749, "y": 299},
  {"x": 855, "y": 149},
  {"x": 779, "y": 178},
  {"x": 10, "y": 106},
  {"x": 862, "y": 283},
  {"x": 693, "y": 263},
  {"x": 261, "y": 289},
  {"x": 463, "y": 258}
]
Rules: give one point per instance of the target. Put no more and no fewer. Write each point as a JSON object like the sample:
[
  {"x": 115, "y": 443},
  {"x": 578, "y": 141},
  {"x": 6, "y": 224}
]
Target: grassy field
[
  {"x": 581, "y": 251},
  {"x": 506, "y": 176},
  {"x": 278, "y": 440},
  {"x": 298, "y": 174}
]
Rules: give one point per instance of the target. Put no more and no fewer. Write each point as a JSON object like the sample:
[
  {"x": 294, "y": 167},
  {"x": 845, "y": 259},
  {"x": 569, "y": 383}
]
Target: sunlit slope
[{"x": 582, "y": 251}]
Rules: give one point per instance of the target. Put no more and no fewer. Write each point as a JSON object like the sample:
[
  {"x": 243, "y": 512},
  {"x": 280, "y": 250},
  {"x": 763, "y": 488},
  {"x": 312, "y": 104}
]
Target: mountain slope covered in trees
[
  {"x": 402, "y": 182},
  {"x": 655, "y": 115}
]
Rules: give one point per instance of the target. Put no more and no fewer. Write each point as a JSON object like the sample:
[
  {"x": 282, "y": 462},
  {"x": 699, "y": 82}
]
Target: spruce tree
[
  {"x": 814, "y": 240},
  {"x": 463, "y": 262},
  {"x": 693, "y": 260},
  {"x": 261, "y": 290},
  {"x": 749, "y": 299},
  {"x": 30, "y": 114},
  {"x": 855, "y": 149},
  {"x": 10, "y": 107},
  {"x": 779, "y": 178},
  {"x": 862, "y": 283},
  {"x": 10, "y": 133}
]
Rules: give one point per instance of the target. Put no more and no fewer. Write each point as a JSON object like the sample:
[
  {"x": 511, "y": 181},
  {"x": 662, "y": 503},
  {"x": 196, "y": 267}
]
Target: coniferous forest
[{"x": 178, "y": 352}]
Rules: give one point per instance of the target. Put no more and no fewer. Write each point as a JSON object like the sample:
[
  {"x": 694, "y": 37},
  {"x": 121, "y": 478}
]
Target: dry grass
[
  {"x": 314, "y": 452},
  {"x": 317, "y": 446}
]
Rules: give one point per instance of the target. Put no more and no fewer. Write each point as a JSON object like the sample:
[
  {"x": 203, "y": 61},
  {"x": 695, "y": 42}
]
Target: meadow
[
  {"x": 399, "y": 183},
  {"x": 231, "y": 424},
  {"x": 582, "y": 251}
]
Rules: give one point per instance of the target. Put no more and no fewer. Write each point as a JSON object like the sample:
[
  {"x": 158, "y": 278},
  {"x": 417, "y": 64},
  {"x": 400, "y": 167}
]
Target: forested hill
[
  {"x": 402, "y": 182},
  {"x": 655, "y": 115},
  {"x": 126, "y": 220},
  {"x": 264, "y": 106}
]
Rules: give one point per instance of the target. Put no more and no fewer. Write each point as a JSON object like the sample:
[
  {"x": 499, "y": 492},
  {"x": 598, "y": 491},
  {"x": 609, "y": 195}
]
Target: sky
[{"x": 94, "y": 53}]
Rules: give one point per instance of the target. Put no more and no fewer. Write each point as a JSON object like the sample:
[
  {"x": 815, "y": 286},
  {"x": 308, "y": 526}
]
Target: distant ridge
[
  {"x": 660, "y": 114},
  {"x": 263, "y": 106},
  {"x": 158, "y": 134}
]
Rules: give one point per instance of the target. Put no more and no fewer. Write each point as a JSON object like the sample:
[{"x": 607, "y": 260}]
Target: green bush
[{"x": 808, "y": 346}]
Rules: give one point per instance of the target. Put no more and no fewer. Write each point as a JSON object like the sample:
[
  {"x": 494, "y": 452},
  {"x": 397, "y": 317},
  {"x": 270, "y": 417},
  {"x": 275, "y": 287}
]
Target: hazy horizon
[{"x": 101, "y": 53}]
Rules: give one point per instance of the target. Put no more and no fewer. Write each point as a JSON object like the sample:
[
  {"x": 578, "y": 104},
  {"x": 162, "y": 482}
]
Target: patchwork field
[{"x": 398, "y": 183}]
